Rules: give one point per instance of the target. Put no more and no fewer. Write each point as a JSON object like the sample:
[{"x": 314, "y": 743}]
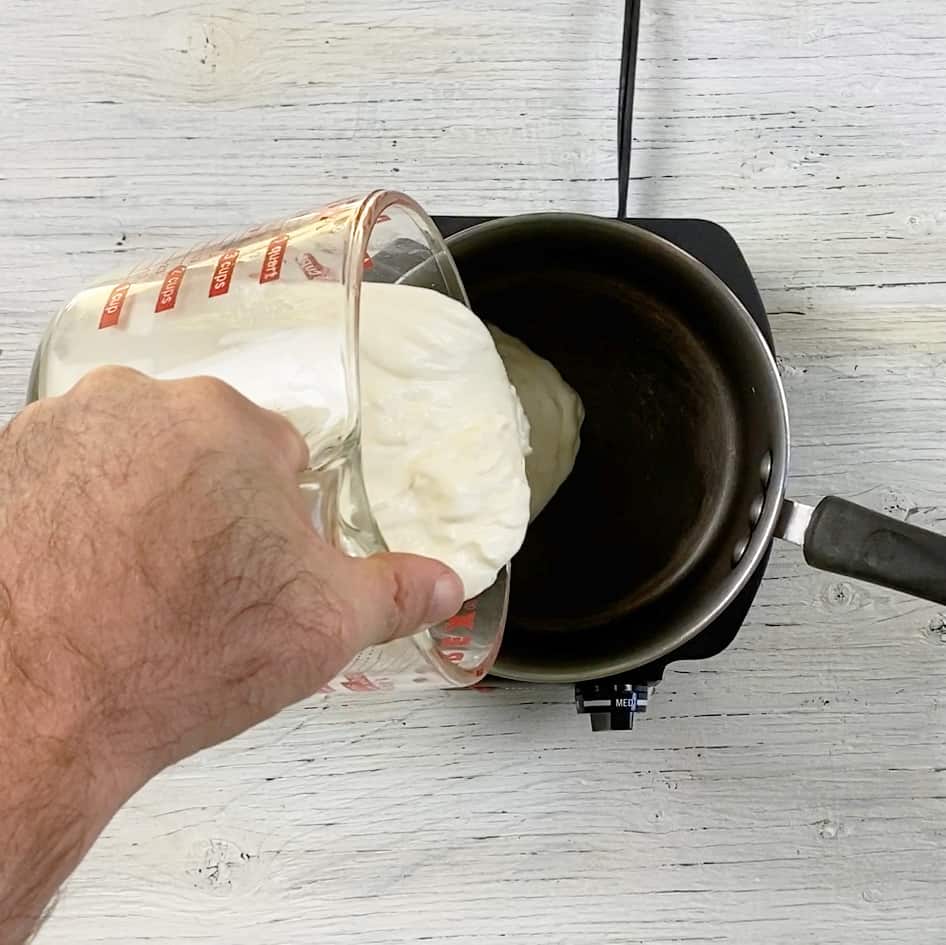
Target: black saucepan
[{"x": 679, "y": 485}]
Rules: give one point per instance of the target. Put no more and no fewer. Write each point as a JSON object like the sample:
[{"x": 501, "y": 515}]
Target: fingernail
[{"x": 446, "y": 599}]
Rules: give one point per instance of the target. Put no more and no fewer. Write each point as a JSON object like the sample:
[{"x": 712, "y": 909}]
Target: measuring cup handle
[
  {"x": 321, "y": 491},
  {"x": 338, "y": 506}
]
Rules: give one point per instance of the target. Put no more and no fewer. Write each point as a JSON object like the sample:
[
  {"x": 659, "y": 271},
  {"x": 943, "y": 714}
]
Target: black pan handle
[{"x": 848, "y": 539}]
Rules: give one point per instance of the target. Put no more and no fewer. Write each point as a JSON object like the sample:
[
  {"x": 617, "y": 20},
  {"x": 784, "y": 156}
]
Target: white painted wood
[{"x": 791, "y": 790}]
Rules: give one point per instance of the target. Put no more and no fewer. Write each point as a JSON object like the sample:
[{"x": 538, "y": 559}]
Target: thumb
[{"x": 394, "y": 595}]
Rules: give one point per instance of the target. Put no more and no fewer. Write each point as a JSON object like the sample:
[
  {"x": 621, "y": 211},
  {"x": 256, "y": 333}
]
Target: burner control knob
[{"x": 612, "y": 704}]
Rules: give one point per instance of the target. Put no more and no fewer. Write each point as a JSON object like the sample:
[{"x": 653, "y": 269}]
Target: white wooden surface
[{"x": 792, "y": 789}]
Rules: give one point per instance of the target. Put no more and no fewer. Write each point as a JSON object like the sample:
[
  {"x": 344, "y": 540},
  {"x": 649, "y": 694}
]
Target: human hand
[
  {"x": 161, "y": 573},
  {"x": 161, "y": 585}
]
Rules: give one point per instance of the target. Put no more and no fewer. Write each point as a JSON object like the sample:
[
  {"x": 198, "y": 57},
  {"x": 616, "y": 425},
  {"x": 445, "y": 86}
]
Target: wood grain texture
[{"x": 792, "y": 789}]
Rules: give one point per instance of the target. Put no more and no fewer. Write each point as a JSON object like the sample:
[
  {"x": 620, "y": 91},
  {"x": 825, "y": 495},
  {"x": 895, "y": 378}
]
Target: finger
[
  {"x": 394, "y": 595},
  {"x": 287, "y": 445},
  {"x": 287, "y": 440}
]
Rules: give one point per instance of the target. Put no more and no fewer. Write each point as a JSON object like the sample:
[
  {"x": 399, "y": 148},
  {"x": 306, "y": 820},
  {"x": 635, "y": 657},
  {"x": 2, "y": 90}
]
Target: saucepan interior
[{"x": 681, "y": 468}]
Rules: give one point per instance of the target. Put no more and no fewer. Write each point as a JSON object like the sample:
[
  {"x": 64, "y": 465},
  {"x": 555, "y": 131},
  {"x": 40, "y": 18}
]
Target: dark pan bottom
[{"x": 657, "y": 453}]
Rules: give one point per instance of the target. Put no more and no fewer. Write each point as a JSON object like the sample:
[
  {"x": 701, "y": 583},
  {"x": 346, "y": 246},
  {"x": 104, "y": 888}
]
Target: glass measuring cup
[{"x": 239, "y": 309}]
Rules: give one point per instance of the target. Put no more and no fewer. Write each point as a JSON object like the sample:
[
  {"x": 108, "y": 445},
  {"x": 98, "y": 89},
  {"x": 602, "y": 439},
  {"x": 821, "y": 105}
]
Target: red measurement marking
[
  {"x": 465, "y": 621},
  {"x": 223, "y": 273},
  {"x": 311, "y": 267},
  {"x": 359, "y": 682},
  {"x": 453, "y": 657},
  {"x": 272, "y": 259},
  {"x": 455, "y": 641},
  {"x": 167, "y": 296},
  {"x": 113, "y": 307},
  {"x": 369, "y": 263}
]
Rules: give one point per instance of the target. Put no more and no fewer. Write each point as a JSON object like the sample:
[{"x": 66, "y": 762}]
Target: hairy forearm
[
  {"x": 54, "y": 798},
  {"x": 51, "y": 811},
  {"x": 45, "y": 827}
]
